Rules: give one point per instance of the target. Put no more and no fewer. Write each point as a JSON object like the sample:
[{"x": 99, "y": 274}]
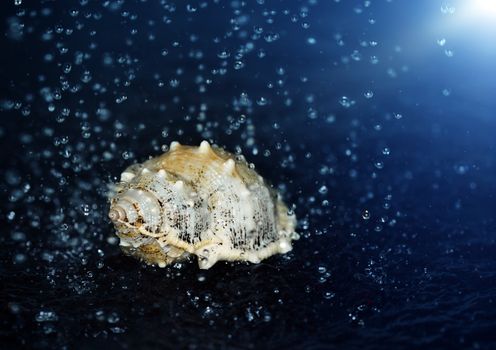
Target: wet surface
[{"x": 379, "y": 134}]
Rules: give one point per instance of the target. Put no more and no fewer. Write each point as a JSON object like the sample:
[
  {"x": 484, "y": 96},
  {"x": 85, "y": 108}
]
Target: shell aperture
[{"x": 200, "y": 201}]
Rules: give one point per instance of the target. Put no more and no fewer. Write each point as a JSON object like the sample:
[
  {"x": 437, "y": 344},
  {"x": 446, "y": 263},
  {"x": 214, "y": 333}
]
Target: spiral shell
[{"x": 199, "y": 201}]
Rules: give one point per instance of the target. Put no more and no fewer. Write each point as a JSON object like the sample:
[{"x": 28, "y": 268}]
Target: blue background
[{"x": 375, "y": 119}]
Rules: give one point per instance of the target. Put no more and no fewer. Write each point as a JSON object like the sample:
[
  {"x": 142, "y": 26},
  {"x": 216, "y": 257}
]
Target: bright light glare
[{"x": 480, "y": 9}]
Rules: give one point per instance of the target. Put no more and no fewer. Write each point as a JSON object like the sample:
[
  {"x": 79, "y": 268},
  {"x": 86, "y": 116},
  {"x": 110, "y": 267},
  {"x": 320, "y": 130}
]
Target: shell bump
[{"x": 200, "y": 201}]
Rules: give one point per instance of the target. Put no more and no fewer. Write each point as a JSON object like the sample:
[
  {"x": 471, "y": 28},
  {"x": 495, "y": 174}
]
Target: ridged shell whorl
[{"x": 199, "y": 201}]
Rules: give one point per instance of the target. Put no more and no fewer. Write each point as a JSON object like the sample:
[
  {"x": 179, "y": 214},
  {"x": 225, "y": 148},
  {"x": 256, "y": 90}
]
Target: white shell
[{"x": 202, "y": 201}]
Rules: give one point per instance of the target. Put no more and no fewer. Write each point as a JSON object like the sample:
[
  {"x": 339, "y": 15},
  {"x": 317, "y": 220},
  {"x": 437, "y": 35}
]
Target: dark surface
[{"x": 397, "y": 250}]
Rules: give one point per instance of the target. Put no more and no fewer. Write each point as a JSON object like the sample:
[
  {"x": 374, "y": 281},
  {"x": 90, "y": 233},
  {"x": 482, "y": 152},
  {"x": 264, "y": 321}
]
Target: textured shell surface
[{"x": 200, "y": 201}]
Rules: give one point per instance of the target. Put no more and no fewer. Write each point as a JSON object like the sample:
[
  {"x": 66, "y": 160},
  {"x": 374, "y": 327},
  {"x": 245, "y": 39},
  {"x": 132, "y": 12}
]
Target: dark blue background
[{"x": 395, "y": 193}]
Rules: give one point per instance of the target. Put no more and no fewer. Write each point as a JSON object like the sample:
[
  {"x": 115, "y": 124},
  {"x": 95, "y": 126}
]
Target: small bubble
[
  {"x": 461, "y": 169},
  {"x": 113, "y": 318},
  {"x": 86, "y": 209},
  {"x": 190, "y": 8},
  {"x": 120, "y": 99},
  {"x": 346, "y": 102},
  {"x": 262, "y": 101},
  {"x": 86, "y": 77},
  {"x": 223, "y": 54},
  {"x": 447, "y": 9},
  {"x": 356, "y": 56},
  {"x": 26, "y": 111},
  {"x": 323, "y": 190},
  {"x": 127, "y": 155},
  {"x": 117, "y": 330},
  {"x": 14, "y": 307},
  {"x": 45, "y": 316},
  {"x": 329, "y": 295},
  {"x": 20, "y": 258},
  {"x": 365, "y": 214},
  {"x": 271, "y": 37},
  {"x": 379, "y": 164},
  {"x": 238, "y": 65},
  {"x": 368, "y": 94}
]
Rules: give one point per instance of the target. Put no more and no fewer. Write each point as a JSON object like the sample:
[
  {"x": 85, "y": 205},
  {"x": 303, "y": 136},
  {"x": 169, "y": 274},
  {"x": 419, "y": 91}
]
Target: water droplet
[
  {"x": 223, "y": 54},
  {"x": 86, "y": 77},
  {"x": 190, "y": 8},
  {"x": 238, "y": 65},
  {"x": 329, "y": 295},
  {"x": 262, "y": 101},
  {"x": 447, "y": 9},
  {"x": 46, "y": 316},
  {"x": 127, "y": 155},
  {"x": 356, "y": 56},
  {"x": 113, "y": 318},
  {"x": 271, "y": 37},
  {"x": 365, "y": 214},
  {"x": 346, "y": 102},
  {"x": 26, "y": 111},
  {"x": 461, "y": 169},
  {"x": 379, "y": 164},
  {"x": 86, "y": 209},
  {"x": 121, "y": 99}
]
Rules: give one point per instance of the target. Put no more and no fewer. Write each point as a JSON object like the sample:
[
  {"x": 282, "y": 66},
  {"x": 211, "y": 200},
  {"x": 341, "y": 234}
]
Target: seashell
[{"x": 200, "y": 201}]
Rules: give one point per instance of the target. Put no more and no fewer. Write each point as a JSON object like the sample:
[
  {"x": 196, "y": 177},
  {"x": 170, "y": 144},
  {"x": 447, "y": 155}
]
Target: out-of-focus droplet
[
  {"x": 323, "y": 190},
  {"x": 368, "y": 94},
  {"x": 262, "y": 101}
]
